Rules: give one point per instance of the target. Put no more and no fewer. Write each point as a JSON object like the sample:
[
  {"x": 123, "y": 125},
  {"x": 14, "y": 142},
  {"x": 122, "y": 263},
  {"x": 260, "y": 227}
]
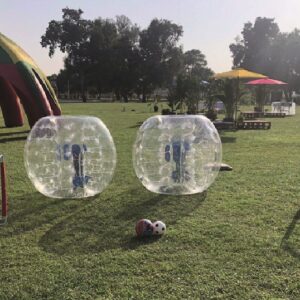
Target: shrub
[{"x": 211, "y": 114}]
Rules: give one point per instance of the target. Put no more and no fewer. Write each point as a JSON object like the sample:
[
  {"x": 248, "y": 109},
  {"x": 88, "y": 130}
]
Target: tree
[
  {"x": 159, "y": 55},
  {"x": 71, "y": 36},
  {"x": 68, "y": 82},
  {"x": 126, "y": 58},
  {"x": 103, "y": 37},
  {"x": 253, "y": 51},
  {"x": 195, "y": 66},
  {"x": 286, "y": 60},
  {"x": 177, "y": 92},
  {"x": 53, "y": 80},
  {"x": 114, "y": 55},
  {"x": 189, "y": 84},
  {"x": 228, "y": 86},
  {"x": 103, "y": 53},
  {"x": 265, "y": 49},
  {"x": 260, "y": 95}
]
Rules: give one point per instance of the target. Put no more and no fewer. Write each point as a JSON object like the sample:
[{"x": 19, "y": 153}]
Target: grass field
[{"x": 239, "y": 240}]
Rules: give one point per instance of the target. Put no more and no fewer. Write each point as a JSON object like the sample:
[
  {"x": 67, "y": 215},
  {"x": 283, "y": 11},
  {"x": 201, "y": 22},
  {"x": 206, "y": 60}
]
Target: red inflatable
[{"x": 22, "y": 82}]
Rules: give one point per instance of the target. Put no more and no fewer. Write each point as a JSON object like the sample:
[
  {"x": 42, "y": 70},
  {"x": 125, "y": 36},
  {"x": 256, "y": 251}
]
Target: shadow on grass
[
  {"x": 228, "y": 139},
  {"x": 110, "y": 224},
  {"x": 137, "y": 125},
  {"x": 31, "y": 211},
  {"x": 13, "y": 139},
  {"x": 13, "y": 133},
  {"x": 13, "y": 136},
  {"x": 286, "y": 243}
]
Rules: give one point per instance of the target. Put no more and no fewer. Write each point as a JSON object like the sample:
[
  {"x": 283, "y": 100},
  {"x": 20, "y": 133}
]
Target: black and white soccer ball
[{"x": 159, "y": 228}]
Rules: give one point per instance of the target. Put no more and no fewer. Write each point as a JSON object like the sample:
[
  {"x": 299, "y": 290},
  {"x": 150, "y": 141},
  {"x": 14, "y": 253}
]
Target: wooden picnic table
[
  {"x": 254, "y": 124},
  {"x": 221, "y": 125},
  {"x": 274, "y": 115},
  {"x": 250, "y": 115}
]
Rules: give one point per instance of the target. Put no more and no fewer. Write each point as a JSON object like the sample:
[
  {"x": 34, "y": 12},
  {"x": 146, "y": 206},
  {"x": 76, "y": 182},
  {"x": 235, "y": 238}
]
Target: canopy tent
[
  {"x": 261, "y": 85},
  {"x": 238, "y": 74},
  {"x": 22, "y": 82},
  {"x": 266, "y": 81}
]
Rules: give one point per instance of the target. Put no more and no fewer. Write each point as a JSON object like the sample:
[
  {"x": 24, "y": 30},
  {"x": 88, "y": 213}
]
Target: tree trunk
[
  {"x": 144, "y": 96},
  {"x": 125, "y": 97},
  {"x": 260, "y": 98},
  {"x": 118, "y": 96},
  {"x": 99, "y": 93},
  {"x": 288, "y": 95},
  {"x": 229, "y": 111},
  {"x": 82, "y": 88}
]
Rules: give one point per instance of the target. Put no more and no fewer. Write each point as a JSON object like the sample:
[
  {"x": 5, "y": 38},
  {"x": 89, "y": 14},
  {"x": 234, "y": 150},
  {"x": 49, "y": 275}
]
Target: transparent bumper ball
[
  {"x": 177, "y": 154},
  {"x": 70, "y": 156}
]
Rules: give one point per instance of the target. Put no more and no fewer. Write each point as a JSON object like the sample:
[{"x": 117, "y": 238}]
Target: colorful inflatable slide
[{"x": 23, "y": 83}]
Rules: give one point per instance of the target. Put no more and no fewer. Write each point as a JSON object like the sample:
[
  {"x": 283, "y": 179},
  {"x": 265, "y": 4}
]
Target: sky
[{"x": 208, "y": 25}]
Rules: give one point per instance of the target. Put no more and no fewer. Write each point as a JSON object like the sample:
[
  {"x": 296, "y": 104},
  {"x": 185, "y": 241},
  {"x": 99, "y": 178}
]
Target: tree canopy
[
  {"x": 264, "y": 49},
  {"x": 115, "y": 55}
]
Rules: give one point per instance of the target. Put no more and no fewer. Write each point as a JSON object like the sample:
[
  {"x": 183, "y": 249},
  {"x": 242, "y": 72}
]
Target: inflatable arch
[{"x": 22, "y": 82}]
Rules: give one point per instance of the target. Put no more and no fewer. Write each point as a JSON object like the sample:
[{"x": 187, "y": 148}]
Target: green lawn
[{"x": 239, "y": 240}]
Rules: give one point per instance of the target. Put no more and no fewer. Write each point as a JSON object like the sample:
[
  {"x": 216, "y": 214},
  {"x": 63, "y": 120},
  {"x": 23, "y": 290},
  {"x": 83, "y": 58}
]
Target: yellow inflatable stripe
[{"x": 14, "y": 51}]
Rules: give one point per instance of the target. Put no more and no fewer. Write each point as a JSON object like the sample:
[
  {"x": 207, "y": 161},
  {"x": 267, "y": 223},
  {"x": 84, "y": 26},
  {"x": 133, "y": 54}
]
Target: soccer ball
[
  {"x": 159, "y": 228},
  {"x": 144, "y": 227}
]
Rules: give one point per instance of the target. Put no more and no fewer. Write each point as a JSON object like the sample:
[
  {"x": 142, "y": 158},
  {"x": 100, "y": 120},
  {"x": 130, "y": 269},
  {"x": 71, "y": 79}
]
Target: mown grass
[{"x": 239, "y": 240}]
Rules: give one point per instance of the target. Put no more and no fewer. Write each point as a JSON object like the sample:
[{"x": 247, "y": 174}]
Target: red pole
[{"x": 3, "y": 191}]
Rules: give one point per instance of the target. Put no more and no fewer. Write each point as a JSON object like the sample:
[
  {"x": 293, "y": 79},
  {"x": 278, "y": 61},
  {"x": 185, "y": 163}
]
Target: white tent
[{"x": 289, "y": 108}]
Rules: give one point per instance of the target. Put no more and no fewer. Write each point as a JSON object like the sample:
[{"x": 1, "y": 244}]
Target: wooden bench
[
  {"x": 250, "y": 115},
  {"x": 220, "y": 125},
  {"x": 254, "y": 124},
  {"x": 274, "y": 115}
]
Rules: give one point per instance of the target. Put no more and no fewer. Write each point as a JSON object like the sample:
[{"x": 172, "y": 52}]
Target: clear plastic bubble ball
[
  {"x": 70, "y": 156},
  {"x": 177, "y": 154}
]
